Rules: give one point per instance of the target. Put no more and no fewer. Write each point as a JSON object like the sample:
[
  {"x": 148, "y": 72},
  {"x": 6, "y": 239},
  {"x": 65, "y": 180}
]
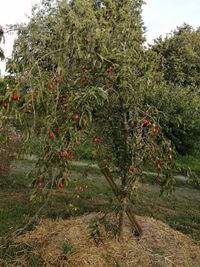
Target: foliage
[
  {"x": 79, "y": 75},
  {"x": 181, "y": 123},
  {"x": 179, "y": 56},
  {"x": 176, "y": 62}
]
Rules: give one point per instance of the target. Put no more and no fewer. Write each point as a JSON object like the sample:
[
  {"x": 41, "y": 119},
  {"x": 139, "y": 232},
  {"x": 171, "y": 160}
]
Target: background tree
[
  {"x": 80, "y": 75},
  {"x": 176, "y": 60},
  {"x": 179, "y": 56},
  {"x": 181, "y": 122}
]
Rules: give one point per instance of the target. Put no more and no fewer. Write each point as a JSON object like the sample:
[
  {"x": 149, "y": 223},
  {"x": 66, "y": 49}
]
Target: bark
[
  {"x": 128, "y": 207},
  {"x": 121, "y": 219}
]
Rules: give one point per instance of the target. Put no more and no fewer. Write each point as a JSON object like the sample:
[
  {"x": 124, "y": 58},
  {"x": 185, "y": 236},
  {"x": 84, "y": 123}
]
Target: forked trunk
[
  {"x": 127, "y": 208},
  {"x": 122, "y": 219}
]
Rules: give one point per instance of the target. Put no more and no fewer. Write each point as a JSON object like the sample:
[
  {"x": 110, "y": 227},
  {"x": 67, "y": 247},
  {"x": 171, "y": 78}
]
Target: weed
[{"x": 68, "y": 249}]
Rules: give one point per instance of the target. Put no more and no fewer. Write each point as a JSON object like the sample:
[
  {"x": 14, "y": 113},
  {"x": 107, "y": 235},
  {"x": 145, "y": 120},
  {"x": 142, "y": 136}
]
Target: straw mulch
[{"x": 159, "y": 246}]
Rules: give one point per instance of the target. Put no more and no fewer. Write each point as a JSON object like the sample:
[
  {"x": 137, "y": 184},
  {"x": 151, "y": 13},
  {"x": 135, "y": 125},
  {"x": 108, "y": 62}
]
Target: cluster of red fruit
[
  {"x": 146, "y": 123},
  {"x": 57, "y": 79},
  {"x": 67, "y": 154},
  {"x": 84, "y": 77},
  {"x": 109, "y": 70},
  {"x": 75, "y": 117},
  {"x": 40, "y": 184},
  {"x": 14, "y": 97}
]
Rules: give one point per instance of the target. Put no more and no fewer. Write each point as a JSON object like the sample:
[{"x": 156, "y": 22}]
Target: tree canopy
[
  {"x": 180, "y": 56},
  {"x": 79, "y": 73}
]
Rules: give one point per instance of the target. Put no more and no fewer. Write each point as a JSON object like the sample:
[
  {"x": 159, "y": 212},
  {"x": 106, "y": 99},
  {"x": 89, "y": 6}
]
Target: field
[{"x": 92, "y": 194}]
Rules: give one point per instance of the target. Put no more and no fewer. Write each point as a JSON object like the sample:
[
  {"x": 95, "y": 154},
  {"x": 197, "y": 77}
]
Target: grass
[
  {"x": 193, "y": 162},
  {"x": 68, "y": 248},
  {"x": 92, "y": 194}
]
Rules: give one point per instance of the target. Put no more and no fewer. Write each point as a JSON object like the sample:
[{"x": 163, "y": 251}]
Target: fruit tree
[{"x": 78, "y": 74}]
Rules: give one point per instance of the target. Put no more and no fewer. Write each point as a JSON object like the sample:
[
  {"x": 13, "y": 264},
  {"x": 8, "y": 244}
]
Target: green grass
[
  {"x": 189, "y": 161},
  {"x": 68, "y": 248},
  {"x": 181, "y": 211},
  {"x": 92, "y": 194}
]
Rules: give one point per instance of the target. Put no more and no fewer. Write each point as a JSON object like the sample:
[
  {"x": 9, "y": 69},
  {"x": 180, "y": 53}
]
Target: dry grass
[{"x": 159, "y": 246}]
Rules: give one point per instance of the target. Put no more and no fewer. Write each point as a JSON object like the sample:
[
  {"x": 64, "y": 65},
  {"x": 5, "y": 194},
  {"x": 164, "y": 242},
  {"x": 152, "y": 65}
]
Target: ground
[
  {"x": 67, "y": 243},
  {"x": 87, "y": 197}
]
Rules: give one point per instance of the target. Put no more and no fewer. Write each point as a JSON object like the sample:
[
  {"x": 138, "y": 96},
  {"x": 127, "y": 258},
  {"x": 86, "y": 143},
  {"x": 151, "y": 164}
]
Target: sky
[{"x": 160, "y": 17}]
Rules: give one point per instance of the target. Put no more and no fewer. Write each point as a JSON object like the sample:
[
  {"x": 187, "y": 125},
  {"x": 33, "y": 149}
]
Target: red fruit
[
  {"x": 158, "y": 167},
  {"x": 133, "y": 169},
  {"x": 87, "y": 40},
  {"x": 109, "y": 83},
  {"x": 97, "y": 139},
  {"x": 60, "y": 184},
  {"x": 154, "y": 130},
  {"x": 145, "y": 122},
  {"x": 71, "y": 156},
  {"x": 57, "y": 79},
  {"x": 109, "y": 70},
  {"x": 28, "y": 110},
  {"x": 76, "y": 117},
  {"x": 83, "y": 78},
  {"x": 170, "y": 157},
  {"x": 39, "y": 184},
  {"x": 51, "y": 135},
  {"x": 15, "y": 97},
  {"x": 84, "y": 68},
  {"x": 57, "y": 129},
  {"x": 64, "y": 153},
  {"x": 5, "y": 104},
  {"x": 50, "y": 86}
]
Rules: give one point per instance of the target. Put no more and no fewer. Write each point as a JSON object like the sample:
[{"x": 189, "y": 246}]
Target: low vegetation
[{"x": 92, "y": 194}]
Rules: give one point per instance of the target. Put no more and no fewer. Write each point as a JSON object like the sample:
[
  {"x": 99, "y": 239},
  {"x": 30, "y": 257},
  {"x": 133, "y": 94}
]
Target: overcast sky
[{"x": 160, "y": 17}]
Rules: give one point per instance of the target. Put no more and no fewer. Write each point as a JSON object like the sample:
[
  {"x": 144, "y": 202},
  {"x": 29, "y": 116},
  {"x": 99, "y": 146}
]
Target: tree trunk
[
  {"x": 122, "y": 219},
  {"x": 128, "y": 207}
]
